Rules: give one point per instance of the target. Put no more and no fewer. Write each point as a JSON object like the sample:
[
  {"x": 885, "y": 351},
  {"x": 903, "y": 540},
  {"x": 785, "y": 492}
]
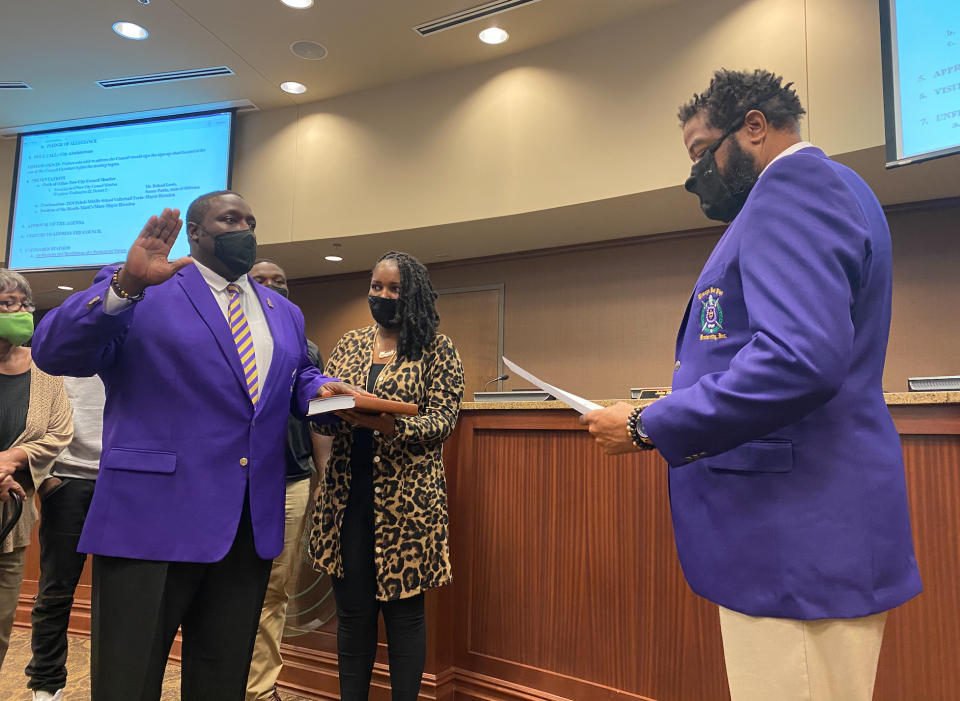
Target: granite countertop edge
[{"x": 892, "y": 399}]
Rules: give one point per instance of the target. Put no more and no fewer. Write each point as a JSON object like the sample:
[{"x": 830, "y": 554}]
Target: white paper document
[{"x": 571, "y": 400}]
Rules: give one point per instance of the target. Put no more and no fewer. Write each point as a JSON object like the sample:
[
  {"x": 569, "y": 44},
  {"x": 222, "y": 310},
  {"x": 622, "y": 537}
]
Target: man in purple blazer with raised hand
[
  {"x": 201, "y": 367},
  {"x": 787, "y": 485}
]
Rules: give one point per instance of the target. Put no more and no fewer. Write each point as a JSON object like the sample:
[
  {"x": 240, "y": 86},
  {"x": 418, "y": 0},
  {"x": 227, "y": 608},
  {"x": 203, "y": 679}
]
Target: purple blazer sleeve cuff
[{"x": 309, "y": 382}]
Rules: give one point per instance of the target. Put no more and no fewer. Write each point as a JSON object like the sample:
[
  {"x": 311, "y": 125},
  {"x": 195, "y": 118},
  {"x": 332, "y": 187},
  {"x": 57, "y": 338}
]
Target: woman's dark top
[
  {"x": 14, "y": 403},
  {"x": 358, "y": 527},
  {"x": 361, "y": 455}
]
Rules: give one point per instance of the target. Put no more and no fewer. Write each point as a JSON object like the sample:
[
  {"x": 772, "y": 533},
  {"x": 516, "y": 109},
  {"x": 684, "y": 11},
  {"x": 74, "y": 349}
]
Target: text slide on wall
[
  {"x": 927, "y": 44},
  {"x": 82, "y": 196}
]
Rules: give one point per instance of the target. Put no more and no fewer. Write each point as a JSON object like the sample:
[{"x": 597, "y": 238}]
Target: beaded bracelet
[
  {"x": 115, "y": 283},
  {"x": 632, "y": 422}
]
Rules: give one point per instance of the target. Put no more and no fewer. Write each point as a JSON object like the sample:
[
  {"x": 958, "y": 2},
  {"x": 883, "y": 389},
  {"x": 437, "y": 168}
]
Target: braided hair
[{"x": 417, "y": 310}]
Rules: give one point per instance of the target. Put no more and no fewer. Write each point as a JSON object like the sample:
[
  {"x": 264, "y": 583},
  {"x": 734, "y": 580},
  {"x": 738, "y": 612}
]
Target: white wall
[{"x": 584, "y": 119}]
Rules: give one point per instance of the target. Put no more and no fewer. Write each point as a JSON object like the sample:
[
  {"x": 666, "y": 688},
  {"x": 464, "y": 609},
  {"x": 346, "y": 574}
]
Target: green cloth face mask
[{"x": 17, "y": 327}]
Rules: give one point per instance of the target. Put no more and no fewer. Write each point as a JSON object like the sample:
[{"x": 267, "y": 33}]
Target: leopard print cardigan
[{"x": 411, "y": 493}]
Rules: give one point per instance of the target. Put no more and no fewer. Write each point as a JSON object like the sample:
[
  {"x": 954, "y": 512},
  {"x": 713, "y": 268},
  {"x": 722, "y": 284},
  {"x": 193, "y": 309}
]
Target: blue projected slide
[
  {"x": 83, "y": 195},
  {"x": 925, "y": 46}
]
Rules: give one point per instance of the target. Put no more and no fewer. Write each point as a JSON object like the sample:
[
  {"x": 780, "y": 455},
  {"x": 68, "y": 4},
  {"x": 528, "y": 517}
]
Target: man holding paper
[{"x": 787, "y": 484}]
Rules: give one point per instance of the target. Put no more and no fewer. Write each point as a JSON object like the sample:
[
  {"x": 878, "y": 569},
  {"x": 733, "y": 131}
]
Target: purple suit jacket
[
  {"x": 181, "y": 438},
  {"x": 787, "y": 484}
]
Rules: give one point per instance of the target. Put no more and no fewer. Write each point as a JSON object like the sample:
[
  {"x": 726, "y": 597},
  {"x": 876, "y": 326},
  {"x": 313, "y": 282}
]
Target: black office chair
[{"x": 17, "y": 513}]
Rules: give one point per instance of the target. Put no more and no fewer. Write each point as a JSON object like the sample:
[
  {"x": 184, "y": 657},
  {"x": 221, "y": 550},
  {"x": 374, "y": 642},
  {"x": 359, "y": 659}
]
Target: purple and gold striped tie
[{"x": 244, "y": 340}]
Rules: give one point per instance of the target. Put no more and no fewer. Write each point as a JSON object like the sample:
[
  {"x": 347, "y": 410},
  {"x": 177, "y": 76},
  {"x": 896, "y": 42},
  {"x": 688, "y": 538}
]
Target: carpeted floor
[{"x": 13, "y": 682}]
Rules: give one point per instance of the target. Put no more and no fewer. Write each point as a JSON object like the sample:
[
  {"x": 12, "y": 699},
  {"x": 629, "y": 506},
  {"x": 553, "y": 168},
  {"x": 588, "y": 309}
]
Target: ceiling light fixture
[
  {"x": 494, "y": 35},
  {"x": 65, "y": 288},
  {"x": 294, "y": 88},
  {"x": 129, "y": 30},
  {"x": 334, "y": 258},
  {"x": 298, "y": 4},
  {"x": 310, "y": 50}
]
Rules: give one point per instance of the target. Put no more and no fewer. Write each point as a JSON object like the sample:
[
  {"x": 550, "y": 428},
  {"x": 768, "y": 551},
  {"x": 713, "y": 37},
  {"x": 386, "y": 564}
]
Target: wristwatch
[{"x": 636, "y": 431}]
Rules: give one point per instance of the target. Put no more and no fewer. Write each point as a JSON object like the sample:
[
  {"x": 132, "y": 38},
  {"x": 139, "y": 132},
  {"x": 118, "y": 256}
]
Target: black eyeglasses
[{"x": 11, "y": 306}]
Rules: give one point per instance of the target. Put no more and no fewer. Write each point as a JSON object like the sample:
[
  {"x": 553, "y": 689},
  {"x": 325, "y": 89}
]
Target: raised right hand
[{"x": 147, "y": 262}]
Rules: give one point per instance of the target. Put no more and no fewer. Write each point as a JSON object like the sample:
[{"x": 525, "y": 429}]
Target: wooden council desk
[{"x": 567, "y": 583}]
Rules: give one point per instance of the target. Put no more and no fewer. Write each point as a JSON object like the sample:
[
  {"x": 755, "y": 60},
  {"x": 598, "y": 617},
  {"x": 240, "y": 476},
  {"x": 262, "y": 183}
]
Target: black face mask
[
  {"x": 723, "y": 196},
  {"x": 385, "y": 311},
  {"x": 280, "y": 291},
  {"x": 235, "y": 249}
]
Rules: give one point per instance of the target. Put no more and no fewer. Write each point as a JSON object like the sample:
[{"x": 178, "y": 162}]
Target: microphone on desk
[{"x": 496, "y": 379}]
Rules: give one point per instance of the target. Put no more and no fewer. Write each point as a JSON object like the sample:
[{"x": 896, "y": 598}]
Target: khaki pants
[
  {"x": 11, "y": 577},
  {"x": 778, "y": 659},
  {"x": 266, "y": 664}
]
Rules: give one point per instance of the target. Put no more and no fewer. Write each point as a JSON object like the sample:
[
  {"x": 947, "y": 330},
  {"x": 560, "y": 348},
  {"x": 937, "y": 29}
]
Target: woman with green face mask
[{"x": 35, "y": 425}]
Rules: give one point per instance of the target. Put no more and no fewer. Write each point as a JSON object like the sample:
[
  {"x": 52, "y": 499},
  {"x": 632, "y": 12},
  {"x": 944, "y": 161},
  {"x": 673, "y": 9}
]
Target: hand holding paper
[{"x": 607, "y": 425}]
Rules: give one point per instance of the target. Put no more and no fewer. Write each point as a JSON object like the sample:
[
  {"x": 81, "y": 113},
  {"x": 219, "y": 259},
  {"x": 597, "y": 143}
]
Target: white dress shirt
[
  {"x": 789, "y": 151},
  {"x": 249, "y": 303}
]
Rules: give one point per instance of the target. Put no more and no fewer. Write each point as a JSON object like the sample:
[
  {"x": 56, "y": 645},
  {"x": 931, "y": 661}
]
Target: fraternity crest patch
[{"x": 711, "y": 315}]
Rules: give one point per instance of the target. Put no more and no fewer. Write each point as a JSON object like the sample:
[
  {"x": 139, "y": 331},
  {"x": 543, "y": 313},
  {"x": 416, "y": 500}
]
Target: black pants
[
  {"x": 358, "y": 610},
  {"x": 138, "y": 605},
  {"x": 63, "y": 512}
]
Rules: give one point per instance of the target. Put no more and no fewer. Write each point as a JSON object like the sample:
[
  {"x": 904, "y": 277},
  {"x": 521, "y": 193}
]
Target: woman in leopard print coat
[{"x": 380, "y": 523}]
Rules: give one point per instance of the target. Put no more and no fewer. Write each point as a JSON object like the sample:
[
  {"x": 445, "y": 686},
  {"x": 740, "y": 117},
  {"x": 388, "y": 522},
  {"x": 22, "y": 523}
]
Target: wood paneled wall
[
  {"x": 598, "y": 321},
  {"x": 924, "y": 340},
  {"x": 567, "y": 583},
  {"x": 473, "y": 318}
]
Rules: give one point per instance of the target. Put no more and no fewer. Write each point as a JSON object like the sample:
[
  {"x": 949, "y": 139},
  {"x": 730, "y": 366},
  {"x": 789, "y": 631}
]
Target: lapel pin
[{"x": 269, "y": 302}]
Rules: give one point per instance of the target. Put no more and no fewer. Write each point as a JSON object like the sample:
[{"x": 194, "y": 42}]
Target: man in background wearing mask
[
  {"x": 303, "y": 445},
  {"x": 201, "y": 368},
  {"x": 787, "y": 485}
]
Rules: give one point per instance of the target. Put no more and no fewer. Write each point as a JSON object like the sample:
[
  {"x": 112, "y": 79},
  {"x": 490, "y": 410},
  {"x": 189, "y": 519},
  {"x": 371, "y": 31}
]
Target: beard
[{"x": 741, "y": 173}]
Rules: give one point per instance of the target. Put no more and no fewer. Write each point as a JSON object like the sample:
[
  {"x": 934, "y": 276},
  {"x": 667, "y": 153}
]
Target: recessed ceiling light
[
  {"x": 494, "y": 35},
  {"x": 298, "y": 4},
  {"x": 64, "y": 287},
  {"x": 291, "y": 87},
  {"x": 129, "y": 30},
  {"x": 333, "y": 259}
]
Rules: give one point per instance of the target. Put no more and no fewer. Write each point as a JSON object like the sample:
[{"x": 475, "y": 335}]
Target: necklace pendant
[{"x": 384, "y": 354}]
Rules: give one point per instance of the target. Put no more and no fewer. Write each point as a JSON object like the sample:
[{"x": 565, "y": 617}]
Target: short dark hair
[
  {"x": 417, "y": 309},
  {"x": 197, "y": 211},
  {"x": 733, "y": 93},
  {"x": 258, "y": 261}
]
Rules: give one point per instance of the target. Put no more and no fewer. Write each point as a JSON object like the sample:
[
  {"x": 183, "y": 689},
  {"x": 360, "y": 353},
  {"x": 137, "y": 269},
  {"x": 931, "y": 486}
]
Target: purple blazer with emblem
[
  {"x": 787, "y": 484},
  {"x": 181, "y": 438}
]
